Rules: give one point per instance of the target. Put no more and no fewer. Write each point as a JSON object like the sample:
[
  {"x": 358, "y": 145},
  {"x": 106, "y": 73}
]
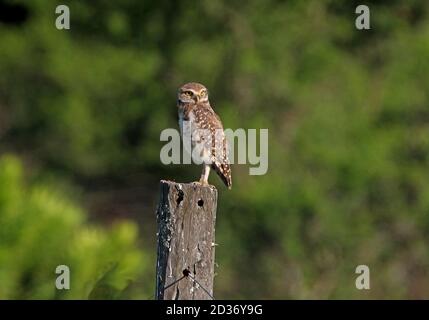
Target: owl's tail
[{"x": 224, "y": 172}]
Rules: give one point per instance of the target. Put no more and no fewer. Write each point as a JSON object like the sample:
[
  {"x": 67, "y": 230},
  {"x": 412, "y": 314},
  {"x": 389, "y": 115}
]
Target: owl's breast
[
  {"x": 186, "y": 122},
  {"x": 181, "y": 121},
  {"x": 186, "y": 116},
  {"x": 195, "y": 137}
]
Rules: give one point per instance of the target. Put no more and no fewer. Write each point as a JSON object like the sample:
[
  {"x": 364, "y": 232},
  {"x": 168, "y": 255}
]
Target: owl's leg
[{"x": 205, "y": 174}]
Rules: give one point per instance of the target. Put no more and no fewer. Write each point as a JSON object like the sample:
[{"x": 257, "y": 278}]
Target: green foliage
[
  {"x": 348, "y": 119},
  {"x": 40, "y": 229}
]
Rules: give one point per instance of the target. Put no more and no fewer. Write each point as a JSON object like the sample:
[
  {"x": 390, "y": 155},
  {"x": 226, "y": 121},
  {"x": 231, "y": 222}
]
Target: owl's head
[{"x": 192, "y": 92}]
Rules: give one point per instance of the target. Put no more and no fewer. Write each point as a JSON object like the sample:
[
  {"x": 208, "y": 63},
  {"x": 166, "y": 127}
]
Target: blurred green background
[{"x": 81, "y": 111}]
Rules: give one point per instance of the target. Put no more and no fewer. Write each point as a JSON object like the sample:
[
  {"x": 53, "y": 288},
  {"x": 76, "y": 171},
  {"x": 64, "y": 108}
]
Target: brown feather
[{"x": 221, "y": 169}]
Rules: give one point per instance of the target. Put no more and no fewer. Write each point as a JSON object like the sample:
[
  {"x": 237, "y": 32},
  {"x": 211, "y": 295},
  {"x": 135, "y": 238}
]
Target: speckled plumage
[{"x": 206, "y": 130}]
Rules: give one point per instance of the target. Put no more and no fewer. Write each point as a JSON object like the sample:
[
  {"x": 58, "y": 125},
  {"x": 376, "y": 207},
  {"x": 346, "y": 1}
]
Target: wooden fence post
[{"x": 186, "y": 218}]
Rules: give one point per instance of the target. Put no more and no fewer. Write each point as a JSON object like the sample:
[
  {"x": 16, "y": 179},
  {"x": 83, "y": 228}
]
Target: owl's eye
[
  {"x": 203, "y": 93},
  {"x": 188, "y": 93}
]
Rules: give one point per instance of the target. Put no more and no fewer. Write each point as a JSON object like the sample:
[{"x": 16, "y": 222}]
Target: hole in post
[
  {"x": 180, "y": 197},
  {"x": 186, "y": 272},
  {"x": 200, "y": 202}
]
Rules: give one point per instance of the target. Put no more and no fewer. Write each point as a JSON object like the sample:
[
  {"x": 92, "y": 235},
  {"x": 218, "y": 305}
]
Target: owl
[{"x": 199, "y": 123}]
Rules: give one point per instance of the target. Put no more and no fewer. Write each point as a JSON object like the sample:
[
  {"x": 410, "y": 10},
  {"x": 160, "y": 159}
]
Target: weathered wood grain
[{"x": 186, "y": 218}]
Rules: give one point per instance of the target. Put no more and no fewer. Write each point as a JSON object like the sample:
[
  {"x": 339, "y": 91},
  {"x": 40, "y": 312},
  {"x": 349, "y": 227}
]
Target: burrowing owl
[{"x": 199, "y": 123}]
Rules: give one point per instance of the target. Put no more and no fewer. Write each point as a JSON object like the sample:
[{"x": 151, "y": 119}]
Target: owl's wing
[
  {"x": 220, "y": 158},
  {"x": 220, "y": 162},
  {"x": 217, "y": 146}
]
